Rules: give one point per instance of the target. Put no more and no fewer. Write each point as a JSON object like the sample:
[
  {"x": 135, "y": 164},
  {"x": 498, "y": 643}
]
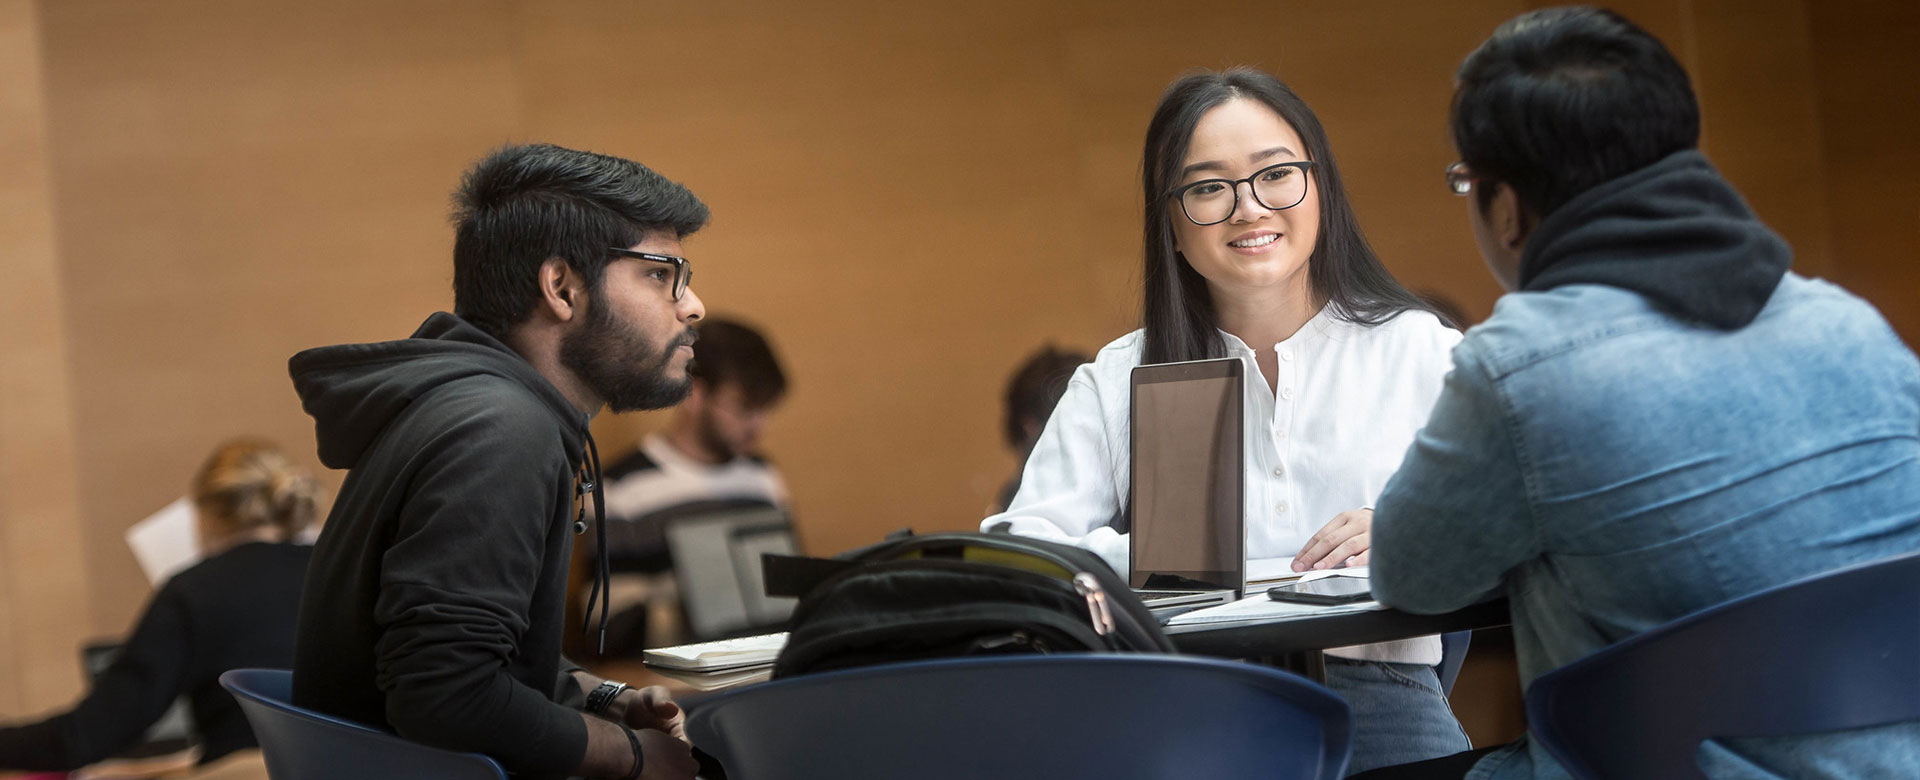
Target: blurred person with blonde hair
[{"x": 235, "y": 608}]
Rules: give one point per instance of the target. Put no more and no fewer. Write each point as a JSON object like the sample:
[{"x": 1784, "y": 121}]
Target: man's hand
[
  {"x": 1347, "y": 535},
  {"x": 653, "y": 708},
  {"x": 667, "y": 758}
]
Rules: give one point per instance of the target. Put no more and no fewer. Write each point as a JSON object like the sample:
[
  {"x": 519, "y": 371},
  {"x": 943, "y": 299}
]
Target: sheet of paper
[
  {"x": 166, "y": 541},
  {"x": 719, "y": 654},
  {"x": 1350, "y": 571},
  {"x": 713, "y": 681},
  {"x": 1259, "y": 607},
  {"x": 1267, "y": 572}
]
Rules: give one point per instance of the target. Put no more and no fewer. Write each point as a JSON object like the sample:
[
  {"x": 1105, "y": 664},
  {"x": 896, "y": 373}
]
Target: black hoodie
[
  {"x": 435, "y": 599},
  {"x": 1674, "y": 232}
]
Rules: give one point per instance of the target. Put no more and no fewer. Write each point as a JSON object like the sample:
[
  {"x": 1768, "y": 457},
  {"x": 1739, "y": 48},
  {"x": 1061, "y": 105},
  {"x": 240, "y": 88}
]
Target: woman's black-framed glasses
[
  {"x": 1460, "y": 178},
  {"x": 1213, "y": 201},
  {"x": 682, "y": 271}
]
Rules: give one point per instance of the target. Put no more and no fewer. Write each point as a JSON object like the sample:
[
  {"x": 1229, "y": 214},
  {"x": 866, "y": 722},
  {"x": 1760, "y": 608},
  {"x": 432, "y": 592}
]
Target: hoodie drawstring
[{"x": 602, "y": 571}]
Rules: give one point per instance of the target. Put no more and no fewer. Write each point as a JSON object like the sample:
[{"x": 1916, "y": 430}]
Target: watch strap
[{"x": 602, "y": 696}]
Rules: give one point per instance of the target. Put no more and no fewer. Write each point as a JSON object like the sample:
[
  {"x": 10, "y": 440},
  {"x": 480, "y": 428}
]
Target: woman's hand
[{"x": 1343, "y": 541}]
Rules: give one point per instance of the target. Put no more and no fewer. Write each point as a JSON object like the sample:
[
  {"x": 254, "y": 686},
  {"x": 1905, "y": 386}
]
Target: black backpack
[{"x": 955, "y": 594}]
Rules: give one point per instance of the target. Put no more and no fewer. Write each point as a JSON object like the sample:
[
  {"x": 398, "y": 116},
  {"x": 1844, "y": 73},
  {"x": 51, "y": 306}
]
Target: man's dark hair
[
  {"x": 1562, "y": 99},
  {"x": 731, "y": 352},
  {"x": 1036, "y": 388},
  {"x": 524, "y": 204}
]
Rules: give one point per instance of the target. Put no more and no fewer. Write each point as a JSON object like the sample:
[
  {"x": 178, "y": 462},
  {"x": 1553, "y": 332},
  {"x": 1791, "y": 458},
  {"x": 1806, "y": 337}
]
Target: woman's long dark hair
[{"x": 1178, "y": 313}]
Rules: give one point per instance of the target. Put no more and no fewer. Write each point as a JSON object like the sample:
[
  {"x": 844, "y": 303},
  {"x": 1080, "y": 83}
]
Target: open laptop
[{"x": 1188, "y": 525}]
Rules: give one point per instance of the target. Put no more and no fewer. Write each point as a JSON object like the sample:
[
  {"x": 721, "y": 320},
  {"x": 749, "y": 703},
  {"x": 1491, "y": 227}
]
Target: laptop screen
[{"x": 1188, "y": 475}]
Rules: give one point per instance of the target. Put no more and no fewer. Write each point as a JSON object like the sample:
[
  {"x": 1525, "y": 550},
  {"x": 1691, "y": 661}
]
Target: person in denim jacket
[{"x": 1660, "y": 417}]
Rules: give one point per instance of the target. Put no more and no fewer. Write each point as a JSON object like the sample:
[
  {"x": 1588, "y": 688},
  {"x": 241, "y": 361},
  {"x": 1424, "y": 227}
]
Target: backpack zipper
[{"x": 1096, "y": 596}]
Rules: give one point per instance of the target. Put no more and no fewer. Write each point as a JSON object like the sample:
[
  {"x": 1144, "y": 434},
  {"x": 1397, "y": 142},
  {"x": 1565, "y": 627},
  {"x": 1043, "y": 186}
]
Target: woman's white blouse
[{"x": 1349, "y": 400}]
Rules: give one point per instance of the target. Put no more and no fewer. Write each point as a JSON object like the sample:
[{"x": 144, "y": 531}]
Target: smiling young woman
[{"x": 1252, "y": 252}]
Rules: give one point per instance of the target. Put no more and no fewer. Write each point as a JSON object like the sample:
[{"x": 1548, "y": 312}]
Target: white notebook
[{"x": 720, "y": 654}]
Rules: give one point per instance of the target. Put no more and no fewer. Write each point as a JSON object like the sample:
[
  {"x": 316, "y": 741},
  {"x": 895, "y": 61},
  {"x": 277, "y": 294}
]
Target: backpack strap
[{"x": 796, "y": 575}]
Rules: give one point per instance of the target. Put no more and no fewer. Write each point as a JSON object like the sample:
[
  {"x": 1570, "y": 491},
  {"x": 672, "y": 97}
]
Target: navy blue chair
[
  {"x": 1835, "y": 651},
  {"x": 1108, "y": 716},
  {"x": 300, "y": 744},
  {"x": 1453, "y": 653}
]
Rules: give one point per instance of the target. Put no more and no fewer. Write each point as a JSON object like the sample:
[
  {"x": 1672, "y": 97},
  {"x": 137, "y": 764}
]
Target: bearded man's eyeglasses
[{"x": 682, "y": 272}]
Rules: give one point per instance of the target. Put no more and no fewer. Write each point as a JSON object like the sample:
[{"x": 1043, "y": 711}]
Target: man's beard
[{"x": 615, "y": 361}]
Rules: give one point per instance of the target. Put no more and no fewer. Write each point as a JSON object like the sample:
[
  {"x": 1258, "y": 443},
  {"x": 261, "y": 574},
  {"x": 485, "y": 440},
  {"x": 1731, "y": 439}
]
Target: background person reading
[{"x": 233, "y": 609}]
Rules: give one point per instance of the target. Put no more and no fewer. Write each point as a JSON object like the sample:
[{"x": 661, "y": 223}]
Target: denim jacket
[{"x": 1610, "y": 468}]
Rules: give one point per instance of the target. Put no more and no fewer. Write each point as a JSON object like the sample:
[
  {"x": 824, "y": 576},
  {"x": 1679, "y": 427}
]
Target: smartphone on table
[{"x": 1326, "y": 590}]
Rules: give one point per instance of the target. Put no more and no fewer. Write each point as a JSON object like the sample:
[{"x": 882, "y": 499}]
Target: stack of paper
[
  {"x": 713, "y": 681},
  {"x": 718, "y": 655},
  {"x": 711, "y": 665}
]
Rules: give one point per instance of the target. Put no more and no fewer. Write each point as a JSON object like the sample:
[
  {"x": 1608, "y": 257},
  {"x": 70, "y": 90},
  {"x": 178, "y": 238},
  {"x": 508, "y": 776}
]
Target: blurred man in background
[
  {"x": 1032, "y": 392},
  {"x": 706, "y": 459}
]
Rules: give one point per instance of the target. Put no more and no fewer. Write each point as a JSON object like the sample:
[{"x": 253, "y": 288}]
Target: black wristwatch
[{"x": 602, "y": 696}]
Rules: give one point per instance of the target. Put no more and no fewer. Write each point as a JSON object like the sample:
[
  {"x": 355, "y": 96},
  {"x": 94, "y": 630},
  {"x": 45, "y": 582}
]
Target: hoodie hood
[
  {"x": 1674, "y": 232},
  {"x": 354, "y": 390}
]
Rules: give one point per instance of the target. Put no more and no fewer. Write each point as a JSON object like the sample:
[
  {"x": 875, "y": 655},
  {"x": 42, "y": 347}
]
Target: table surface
[
  {"x": 1262, "y": 637},
  {"x": 1266, "y": 637}
]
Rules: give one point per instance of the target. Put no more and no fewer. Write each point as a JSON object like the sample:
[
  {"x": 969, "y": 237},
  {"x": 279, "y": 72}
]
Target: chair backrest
[
  {"x": 1836, "y": 651},
  {"x": 300, "y": 744},
  {"x": 716, "y": 558},
  {"x": 1109, "y": 716}
]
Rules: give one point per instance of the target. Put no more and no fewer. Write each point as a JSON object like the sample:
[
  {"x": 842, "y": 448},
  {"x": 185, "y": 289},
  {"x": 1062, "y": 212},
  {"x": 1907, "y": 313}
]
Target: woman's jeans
[{"x": 1399, "y": 713}]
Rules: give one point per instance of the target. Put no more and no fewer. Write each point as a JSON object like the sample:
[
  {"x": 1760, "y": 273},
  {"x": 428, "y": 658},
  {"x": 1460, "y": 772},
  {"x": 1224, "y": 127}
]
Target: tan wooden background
[{"x": 909, "y": 197}]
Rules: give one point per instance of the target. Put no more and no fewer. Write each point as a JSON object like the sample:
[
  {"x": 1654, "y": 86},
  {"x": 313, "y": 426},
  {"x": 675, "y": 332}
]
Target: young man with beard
[
  {"x": 1660, "y": 417},
  {"x": 436, "y": 594}
]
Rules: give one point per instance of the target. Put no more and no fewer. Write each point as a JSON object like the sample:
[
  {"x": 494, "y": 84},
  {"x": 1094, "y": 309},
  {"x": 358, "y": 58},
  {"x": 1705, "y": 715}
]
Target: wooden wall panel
[
  {"x": 241, "y": 181},
  {"x": 912, "y": 203},
  {"x": 909, "y": 197},
  {"x": 44, "y": 610},
  {"x": 1753, "y": 68},
  {"x": 1869, "y": 91}
]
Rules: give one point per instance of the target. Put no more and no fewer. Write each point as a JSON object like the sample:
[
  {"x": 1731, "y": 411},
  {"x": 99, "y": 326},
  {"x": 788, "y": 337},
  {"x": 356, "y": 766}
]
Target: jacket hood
[
  {"x": 354, "y": 390},
  {"x": 1674, "y": 232}
]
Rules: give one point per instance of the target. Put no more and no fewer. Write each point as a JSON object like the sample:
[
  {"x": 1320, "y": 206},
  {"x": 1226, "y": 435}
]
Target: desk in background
[{"x": 1298, "y": 639}]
